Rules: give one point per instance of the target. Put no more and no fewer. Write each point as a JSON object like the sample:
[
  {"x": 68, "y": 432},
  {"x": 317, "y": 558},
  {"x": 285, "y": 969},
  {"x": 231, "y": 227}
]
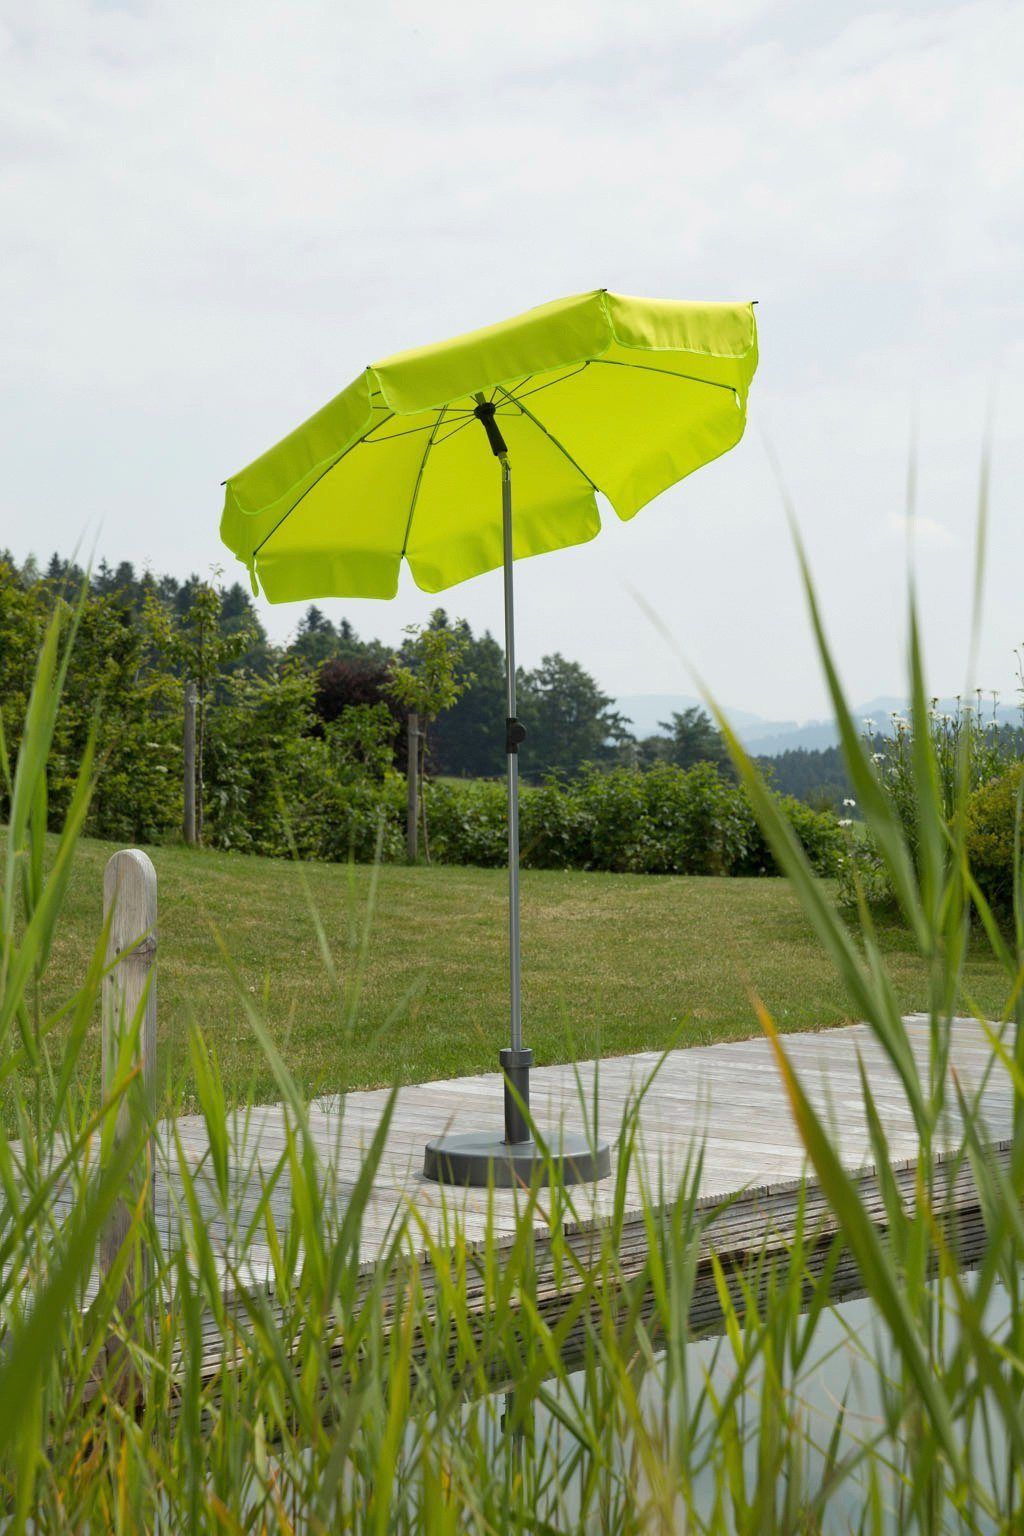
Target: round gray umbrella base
[{"x": 477, "y": 1158}]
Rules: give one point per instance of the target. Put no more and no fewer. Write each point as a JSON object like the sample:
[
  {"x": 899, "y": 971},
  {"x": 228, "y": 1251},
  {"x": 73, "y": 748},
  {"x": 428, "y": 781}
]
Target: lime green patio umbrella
[{"x": 593, "y": 393}]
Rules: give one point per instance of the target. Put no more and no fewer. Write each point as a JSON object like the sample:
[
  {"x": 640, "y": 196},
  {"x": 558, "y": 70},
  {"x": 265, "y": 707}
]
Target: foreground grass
[{"x": 612, "y": 963}]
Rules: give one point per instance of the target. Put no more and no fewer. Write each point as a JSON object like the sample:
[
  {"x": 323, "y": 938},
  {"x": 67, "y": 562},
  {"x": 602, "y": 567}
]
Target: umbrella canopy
[
  {"x": 593, "y": 393},
  {"x": 597, "y": 392}
]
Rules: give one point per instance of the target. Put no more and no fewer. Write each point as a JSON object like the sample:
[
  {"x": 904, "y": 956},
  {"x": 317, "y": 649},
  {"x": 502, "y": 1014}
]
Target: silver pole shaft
[{"x": 515, "y": 996}]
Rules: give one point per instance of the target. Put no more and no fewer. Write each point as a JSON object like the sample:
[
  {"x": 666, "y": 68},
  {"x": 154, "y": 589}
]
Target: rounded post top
[{"x": 129, "y": 897}]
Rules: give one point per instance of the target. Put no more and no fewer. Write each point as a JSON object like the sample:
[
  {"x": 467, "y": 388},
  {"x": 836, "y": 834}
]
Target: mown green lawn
[{"x": 612, "y": 963}]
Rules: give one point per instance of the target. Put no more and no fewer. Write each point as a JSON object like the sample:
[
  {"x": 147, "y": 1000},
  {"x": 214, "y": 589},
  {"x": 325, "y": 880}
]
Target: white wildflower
[
  {"x": 849, "y": 802},
  {"x": 844, "y": 821}
]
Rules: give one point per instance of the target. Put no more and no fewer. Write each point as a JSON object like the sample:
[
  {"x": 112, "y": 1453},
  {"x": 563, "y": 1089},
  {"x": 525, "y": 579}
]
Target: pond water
[
  {"x": 845, "y": 1373},
  {"x": 535, "y": 1454}
]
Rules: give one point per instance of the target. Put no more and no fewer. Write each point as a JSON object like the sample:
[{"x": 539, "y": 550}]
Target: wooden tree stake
[
  {"x": 189, "y": 743},
  {"x": 412, "y": 772}
]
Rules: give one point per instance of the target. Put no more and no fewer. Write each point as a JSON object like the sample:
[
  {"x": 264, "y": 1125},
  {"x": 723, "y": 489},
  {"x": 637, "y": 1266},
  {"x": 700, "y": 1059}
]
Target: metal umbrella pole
[
  {"x": 516, "y": 1061},
  {"x": 474, "y": 1157}
]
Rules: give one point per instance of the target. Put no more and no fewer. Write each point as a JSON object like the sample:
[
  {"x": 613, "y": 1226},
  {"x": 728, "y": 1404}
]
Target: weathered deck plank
[{"x": 729, "y": 1096}]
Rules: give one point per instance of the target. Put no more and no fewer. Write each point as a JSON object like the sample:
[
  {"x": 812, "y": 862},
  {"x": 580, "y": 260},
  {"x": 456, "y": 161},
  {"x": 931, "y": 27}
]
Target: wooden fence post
[
  {"x": 189, "y": 744},
  {"x": 129, "y": 902},
  {"x": 412, "y": 772}
]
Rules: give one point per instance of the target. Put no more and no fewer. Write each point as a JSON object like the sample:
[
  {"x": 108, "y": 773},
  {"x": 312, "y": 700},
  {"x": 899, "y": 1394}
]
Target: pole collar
[{"x": 515, "y": 734}]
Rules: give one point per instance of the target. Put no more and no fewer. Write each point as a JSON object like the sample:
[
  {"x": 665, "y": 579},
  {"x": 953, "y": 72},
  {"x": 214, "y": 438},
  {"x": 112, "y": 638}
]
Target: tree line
[
  {"x": 213, "y": 630},
  {"x": 142, "y": 635}
]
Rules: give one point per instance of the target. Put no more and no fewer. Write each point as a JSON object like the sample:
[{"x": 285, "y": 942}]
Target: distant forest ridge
[{"x": 773, "y": 738}]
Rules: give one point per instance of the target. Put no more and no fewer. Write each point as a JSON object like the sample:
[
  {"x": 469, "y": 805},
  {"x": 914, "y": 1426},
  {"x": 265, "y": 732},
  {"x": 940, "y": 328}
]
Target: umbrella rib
[
  {"x": 550, "y": 384},
  {"x": 551, "y": 436},
  {"x": 375, "y": 442},
  {"x": 524, "y": 380},
  {"x": 430, "y": 426},
  {"x": 438, "y": 441},
  {"x": 419, "y": 478},
  {"x": 689, "y": 378},
  {"x": 325, "y": 471}
]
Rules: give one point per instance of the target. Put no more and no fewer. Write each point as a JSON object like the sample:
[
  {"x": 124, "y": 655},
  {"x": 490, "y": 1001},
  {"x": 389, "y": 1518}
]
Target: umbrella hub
[{"x": 485, "y": 413}]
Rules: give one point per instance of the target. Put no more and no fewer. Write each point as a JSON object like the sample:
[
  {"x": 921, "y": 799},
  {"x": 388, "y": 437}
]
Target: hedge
[{"x": 666, "y": 821}]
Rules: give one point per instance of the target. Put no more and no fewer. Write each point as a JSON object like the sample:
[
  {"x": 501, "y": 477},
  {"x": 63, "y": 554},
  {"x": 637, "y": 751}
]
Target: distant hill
[
  {"x": 769, "y": 738},
  {"x": 647, "y": 710}
]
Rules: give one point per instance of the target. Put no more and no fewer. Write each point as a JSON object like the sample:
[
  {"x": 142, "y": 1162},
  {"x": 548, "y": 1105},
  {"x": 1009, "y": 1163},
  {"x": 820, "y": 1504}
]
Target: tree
[
  {"x": 363, "y": 683},
  {"x": 23, "y": 612},
  {"x": 815, "y": 775},
  {"x": 568, "y": 720},
  {"x": 192, "y": 639},
  {"x": 318, "y": 642},
  {"x": 104, "y": 580},
  {"x": 468, "y": 740},
  {"x": 112, "y": 693},
  {"x": 693, "y": 738},
  {"x": 427, "y": 678},
  {"x": 134, "y": 702},
  {"x": 316, "y": 639},
  {"x": 238, "y": 617},
  {"x": 429, "y": 673}
]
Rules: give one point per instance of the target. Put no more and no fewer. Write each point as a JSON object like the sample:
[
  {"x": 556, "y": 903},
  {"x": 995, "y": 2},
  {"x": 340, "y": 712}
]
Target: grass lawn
[{"x": 612, "y": 963}]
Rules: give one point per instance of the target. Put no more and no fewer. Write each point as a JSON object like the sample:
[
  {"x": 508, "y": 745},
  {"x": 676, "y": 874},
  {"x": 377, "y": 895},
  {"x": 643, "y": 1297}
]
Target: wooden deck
[{"x": 729, "y": 1096}]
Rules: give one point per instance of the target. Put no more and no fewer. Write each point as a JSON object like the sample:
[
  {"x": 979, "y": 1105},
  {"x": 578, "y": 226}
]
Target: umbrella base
[{"x": 478, "y": 1159}]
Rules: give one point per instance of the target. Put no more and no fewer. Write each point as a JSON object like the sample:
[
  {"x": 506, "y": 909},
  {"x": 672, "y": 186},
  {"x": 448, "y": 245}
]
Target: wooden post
[
  {"x": 189, "y": 743},
  {"x": 129, "y": 902},
  {"x": 412, "y": 772}
]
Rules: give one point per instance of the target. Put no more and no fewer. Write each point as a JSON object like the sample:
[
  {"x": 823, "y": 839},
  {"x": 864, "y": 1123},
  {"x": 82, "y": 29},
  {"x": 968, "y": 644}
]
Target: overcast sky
[{"x": 215, "y": 214}]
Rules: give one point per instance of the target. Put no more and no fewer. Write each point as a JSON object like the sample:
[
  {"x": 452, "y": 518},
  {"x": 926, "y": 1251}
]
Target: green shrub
[
  {"x": 699, "y": 823},
  {"x": 258, "y": 760},
  {"x": 272, "y": 784},
  {"x": 952, "y": 737},
  {"x": 276, "y": 775},
  {"x": 466, "y": 823},
  {"x": 613, "y": 826},
  {"x": 664, "y": 821},
  {"x": 820, "y": 835},
  {"x": 552, "y": 827},
  {"x": 991, "y": 833},
  {"x": 339, "y": 821},
  {"x": 962, "y": 749},
  {"x": 114, "y": 692}
]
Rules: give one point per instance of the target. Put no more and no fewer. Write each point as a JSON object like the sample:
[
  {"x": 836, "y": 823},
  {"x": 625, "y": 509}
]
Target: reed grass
[{"x": 452, "y": 1387}]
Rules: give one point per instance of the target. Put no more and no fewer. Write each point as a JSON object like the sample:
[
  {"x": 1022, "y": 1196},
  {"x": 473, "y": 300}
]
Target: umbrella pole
[
  {"x": 479, "y": 1158},
  {"x": 516, "y": 1061}
]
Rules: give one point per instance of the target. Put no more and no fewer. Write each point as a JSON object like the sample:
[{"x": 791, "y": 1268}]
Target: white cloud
[{"x": 916, "y": 534}]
